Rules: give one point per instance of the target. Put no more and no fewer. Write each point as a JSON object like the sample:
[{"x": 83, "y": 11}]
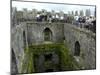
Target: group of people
[
  {"x": 50, "y": 18},
  {"x": 85, "y": 22},
  {"x": 80, "y": 21}
]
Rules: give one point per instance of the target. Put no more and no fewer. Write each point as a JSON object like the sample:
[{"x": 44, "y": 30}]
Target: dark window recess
[
  {"x": 24, "y": 38},
  {"x": 64, "y": 38},
  {"x": 48, "y": 57},
  {"x": 77, "y": 49},
  {"x": 49, "y": 70}
]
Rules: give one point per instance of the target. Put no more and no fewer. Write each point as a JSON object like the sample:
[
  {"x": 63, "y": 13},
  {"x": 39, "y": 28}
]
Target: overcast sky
[{"x": 49, "y": 7}]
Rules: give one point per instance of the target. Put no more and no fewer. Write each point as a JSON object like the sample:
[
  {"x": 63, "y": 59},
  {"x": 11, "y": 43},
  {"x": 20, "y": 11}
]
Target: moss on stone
[{"x": 67, "y": 62}]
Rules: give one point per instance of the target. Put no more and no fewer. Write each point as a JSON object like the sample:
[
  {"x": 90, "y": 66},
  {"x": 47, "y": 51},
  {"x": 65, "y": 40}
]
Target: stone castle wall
[
  {"x": 34, "y": 35},
  {"x": 87, "y": 43}
]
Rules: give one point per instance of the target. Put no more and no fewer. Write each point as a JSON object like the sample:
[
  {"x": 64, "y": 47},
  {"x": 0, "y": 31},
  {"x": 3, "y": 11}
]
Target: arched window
[
  {"x": 24, "y": 38},
  {"x": 47, "y": 34},
  {"x": 77, "y": 49}
]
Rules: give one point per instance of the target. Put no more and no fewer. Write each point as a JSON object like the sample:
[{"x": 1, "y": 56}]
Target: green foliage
[
  {"x": 30, "y": 64},
  {"x": 81, "y": 13},
  {"x": 76, "y": 13},
  {"x": 67, "y": 62}
]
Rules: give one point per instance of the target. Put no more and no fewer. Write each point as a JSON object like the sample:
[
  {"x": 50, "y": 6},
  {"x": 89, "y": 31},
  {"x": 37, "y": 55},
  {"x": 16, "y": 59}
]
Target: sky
[{"x": 57, "y": 7}]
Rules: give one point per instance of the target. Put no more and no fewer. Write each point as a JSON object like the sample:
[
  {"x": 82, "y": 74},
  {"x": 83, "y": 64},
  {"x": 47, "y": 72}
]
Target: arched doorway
[
  {"x": 47, "y": 34},
  {"x": 14, "y": 69},
  {"x": 77, "y": 49}
]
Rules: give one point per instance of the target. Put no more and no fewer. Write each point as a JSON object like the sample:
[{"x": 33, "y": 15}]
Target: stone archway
[
  {"x": 47, "y": 34},
  {"x": 77, "y": 49},
  {"x": 14, "y": 69}
]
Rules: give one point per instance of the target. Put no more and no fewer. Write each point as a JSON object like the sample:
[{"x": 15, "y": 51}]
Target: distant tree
[
  {"x": 34, "y": 12},
  {"x": 76, "y": 13},
  {"x": 43, "y": 10},
  {"x": 53, "y": 12},
  {"x": 25, "y": 13},
  {"x": 25, "y": 10},
  {"x": 14, "y": 16},
  {"x": 69, "y": 13},
  {"x": 81, "y": 13},
  {"x": 19, "y": 16},
  {"x": 88, "y": 12},
  {"x": 70, "y": 17},
  {"x": 61, "y": 13},
  {"x": 72, "y": 13}
]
